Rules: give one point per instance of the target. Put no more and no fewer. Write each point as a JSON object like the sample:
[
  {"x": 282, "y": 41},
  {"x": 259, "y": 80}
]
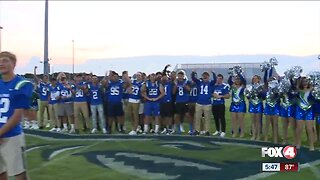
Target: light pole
[
  {"x": 0, "y": 37},
  {"x": 72, "y": 57},
  {"x": 46, "y": 67}
]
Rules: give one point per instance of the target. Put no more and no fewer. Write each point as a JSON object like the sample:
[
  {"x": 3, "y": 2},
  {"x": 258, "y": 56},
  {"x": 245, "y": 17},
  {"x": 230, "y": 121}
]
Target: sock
[
  {"x": 190, "y": 127},
  {"x": 174, "y": 128},
  {"x": 181, "y": 126},
  {"x": 146, "y": 128},
  {"x": 179, "y": 130},
  {"x": 157, "y": 128},
  {"x": 121, "y": 127},
  {"x": 34, "y": 122},
  {"x": 65, "y": 126},
  {"x": 72, "y": 126}
]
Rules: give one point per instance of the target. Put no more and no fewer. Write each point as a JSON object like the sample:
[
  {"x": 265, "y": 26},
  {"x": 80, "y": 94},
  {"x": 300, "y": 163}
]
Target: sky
[{"x": 109, "y": 29}]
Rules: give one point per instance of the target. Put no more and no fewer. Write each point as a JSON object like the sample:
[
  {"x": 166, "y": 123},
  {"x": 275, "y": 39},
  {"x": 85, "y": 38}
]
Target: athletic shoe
[
  {"x": 151, "y": 131},
  {"x": 58, "y": 130},
  {"x": 207, "y": 133},
  {"x": 164, "y": 131},
  {"x": 182, "y": 129},
  {"x": 104, "y": 131},
  {"x": 93, "y": 131},
  {"x": 173, "y": 132},
  {"x": 53, "y": 129},
  {"x": 132, "y": 132},
  {"x": 222, "y": 134},
  {"x": 35, "y": 126},
  {"x": 48, "y": 125},
  {"x": 215, "y": 133},
  {"x": 64, "y": 130},
  {"x": 202, "y": 132},
  {"x": 72, "y": 131}
]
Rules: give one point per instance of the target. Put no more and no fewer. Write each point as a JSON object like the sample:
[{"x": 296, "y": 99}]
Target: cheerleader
[
  {"x": 238, "y": 104},
  {"x": 316, "y": 110},
  {"x": 256, "y": 109},
  {"x": 304, "y": 112},
  {"x": 271, "y": 110},
  {"x": 287, "y": 112}
]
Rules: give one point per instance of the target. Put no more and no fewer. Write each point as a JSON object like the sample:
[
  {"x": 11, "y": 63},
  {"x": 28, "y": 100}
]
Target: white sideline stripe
[
  {"x": 302, "y": 166},
  {"x": 128, "y": 169},
  {"x": 171, "y": 146},
  {"x": 157, "y": 160},
  {"x": 55, "y": 153},
  {"x": 236, "y": 143},
  {"x": 37, "y": 147},
  {"x": 63, "y": 157},
  {"x": 92, "y": 139},
  {"x": 186, "y": 142}
]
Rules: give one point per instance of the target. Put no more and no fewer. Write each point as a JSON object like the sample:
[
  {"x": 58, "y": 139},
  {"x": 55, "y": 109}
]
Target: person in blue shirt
[
  {"x": 304, "y": 112},
  {"x": 203, "y": 105},
  {"x": 132, "y": 108},
  {"x": 95, "y": 94},
  {"x": 54, "y": 92},
  {"x": 114, "y": 92},
  {"x": 152, "y": 91},
  {"x": 272, "y": 105},
  {"x": 182, "y": 93},
  {"x": 15, "y": 93},
  {"x": 166, "y": 106},
  {"x": 65, "y": 105},
  {"x": 43, "y": 89},
  {"x": 192, "y": 103},
  {"x": 238, "y": 105},
  {"x": 88, "y": 80},
  {"x": 79, "y": 90},
  {"x": 287, "y": 112},
  {"x": 256, "y": 107},
  {"x": 220, "y": 93}
]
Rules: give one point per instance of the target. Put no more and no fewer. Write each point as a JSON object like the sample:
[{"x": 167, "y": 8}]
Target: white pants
[{"x": 94, "y": 110}]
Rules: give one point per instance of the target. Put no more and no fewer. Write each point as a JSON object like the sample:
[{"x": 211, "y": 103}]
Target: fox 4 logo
[{"x": 288, "y": 152}]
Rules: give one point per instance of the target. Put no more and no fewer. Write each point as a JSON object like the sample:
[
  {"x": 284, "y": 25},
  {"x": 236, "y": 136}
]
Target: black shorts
[
  {"x": 181, "y": 108},
  {"x": 166, "y": 109},
  {"x": 115, "y": 109}
]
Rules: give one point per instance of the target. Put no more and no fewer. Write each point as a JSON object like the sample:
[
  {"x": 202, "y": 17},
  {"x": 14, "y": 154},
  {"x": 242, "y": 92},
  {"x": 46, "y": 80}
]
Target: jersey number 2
[{"x": 5, "y": 103}]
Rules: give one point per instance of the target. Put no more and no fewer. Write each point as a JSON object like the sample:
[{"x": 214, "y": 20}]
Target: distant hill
[{"x": 150, "y": 64}]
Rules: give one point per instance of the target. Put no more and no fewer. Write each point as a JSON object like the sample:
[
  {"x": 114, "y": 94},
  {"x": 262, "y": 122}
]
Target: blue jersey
[
  {"x": 182, "y": 95},
  {"x": 43, "y": 90},
  {"x": 193, "y": 93},
  {"x": 114, "y": 91},
  {"x": 136, "y": 88},
  {"x": 54, "y": 92},
  {"x": 88, "y": 98},
  {"x": 80, "y": 95},
  {"x": 167, "y": 92},
  {"x": 14, "y": 94},
  {"x": 220, "y": 89},
  {"x": 205, "y": 90},
  {"x": 95, "y": 94},
  {"x": 65, "y": 92},
  {"x": 153, "y": 89}
]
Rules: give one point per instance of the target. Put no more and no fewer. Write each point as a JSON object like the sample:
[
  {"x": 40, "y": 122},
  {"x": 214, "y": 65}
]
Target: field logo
[{"x": 288, "y": 152}]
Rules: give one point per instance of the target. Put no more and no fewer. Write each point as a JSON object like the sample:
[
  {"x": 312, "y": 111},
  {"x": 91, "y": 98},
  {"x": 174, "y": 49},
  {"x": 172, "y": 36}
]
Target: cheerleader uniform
[
  {"x": 304, "y": 110},
  {"x": 271, "y": 106},
  {"x": 316, "y": 110},
  {"x": 238, "y": 103},
  {"x": 287, "y": 107},
  {"x": 256, "y": 105}
]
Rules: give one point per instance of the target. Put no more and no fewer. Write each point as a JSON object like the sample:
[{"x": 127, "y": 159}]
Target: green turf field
[{"x": 62, "y": 156}]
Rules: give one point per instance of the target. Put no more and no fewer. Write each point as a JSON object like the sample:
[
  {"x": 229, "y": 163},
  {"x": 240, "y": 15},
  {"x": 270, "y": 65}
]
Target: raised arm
[
  {"x": 193, "y": 77},
  {"x": 164, "y": 72},
  {"x": 243, "y": 80},
  {"x": 230, "y": 82},
  {"x": 36, "y": 79},
  {"x": 214, "y": 79}
]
